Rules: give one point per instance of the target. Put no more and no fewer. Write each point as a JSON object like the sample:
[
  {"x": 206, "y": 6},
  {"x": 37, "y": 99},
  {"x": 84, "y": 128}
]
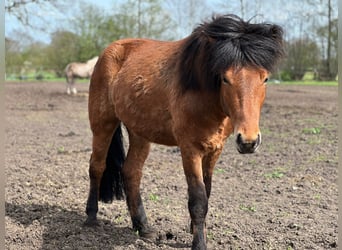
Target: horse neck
[
  {"x": 193, "y": 64},
  {"x": 211, "y": 104},
  {"x": 204, "y": 105},
  {"x": 204, "y": 100}
]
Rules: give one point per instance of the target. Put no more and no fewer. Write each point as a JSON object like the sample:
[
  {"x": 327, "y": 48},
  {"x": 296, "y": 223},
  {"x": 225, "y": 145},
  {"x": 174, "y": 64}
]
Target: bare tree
[
  {"x": 26, "y": 10},
  {"x": 143, "y": 18},
  {"x": 187, "y": 14},
  {"x": 242, "y": 7},
  {"x": 327, "y": 16},
  {"x": 329, "y": 38}
]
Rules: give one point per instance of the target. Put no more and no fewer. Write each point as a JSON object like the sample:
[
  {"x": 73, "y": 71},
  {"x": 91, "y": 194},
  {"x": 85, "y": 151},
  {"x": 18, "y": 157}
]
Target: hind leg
[
  {"x": 138, "y": 151},
  {"x": 102, "y": 136},
  {"x": 68, "y": 89},
  {"x": 72, "y": 86},
  {"x": 68, "y": 79}
]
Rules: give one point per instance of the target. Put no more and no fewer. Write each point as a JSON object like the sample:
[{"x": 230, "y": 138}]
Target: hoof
[
  {"x": 91, "y": 222},
  {"x": 147, "y": 233}
]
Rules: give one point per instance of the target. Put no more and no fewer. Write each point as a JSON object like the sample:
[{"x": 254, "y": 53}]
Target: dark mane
[{"x": 226, "y": 41}]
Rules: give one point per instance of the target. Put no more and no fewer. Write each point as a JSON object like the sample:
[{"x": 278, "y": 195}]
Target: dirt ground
[{"x": 282, "y": 197}]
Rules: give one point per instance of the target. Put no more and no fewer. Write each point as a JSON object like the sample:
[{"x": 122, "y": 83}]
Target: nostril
[
  {"x": 239, "y": 139},
  {"x": 247, "y": 146}
]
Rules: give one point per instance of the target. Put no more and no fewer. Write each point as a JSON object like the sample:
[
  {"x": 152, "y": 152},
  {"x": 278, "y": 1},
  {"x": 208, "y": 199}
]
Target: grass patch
[
  {"x": 219, "y": 170},
  {"x": 313, "y": 131},
  {"x": 61, "y": 150},
  {"x": 62, "y": 80},
  {"x": 317, "y": 197},
  {"x": 119, "y": 219},
  {"x": 311, "y": 83},
  {"x": 314, "y": 141},
  {"x": 210, "y": 236},
  {"x": 154, "y": 197},
  {"x": 247, "y": 208},
  {"x": 276, "y": 174}
]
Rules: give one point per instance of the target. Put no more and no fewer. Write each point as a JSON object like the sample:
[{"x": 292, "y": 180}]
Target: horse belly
[
  {"x": 143, "y": 109},
  {"x": 80, "y": 70}
]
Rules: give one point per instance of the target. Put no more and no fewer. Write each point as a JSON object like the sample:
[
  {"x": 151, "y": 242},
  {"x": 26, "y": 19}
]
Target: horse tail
[
  {"x": 112, "y": 181},
  {"x": 68, "y": 73}
]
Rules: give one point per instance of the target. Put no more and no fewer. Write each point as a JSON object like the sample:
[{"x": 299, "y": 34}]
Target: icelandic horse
[
  {"x": 78, "y": 70},
  {"x": 192, "y": 93}
]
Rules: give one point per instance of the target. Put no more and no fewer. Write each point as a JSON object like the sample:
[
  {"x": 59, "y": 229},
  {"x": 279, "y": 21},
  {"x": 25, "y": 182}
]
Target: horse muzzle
[{"x": 249, "y": 146}]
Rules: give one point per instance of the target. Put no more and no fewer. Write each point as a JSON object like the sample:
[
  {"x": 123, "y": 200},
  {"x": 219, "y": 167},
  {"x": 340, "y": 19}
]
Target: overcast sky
[{"x": 277, "y": 11}]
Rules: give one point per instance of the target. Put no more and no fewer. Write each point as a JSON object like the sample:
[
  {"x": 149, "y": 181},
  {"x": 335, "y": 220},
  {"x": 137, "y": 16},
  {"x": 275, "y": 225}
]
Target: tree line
[{"x": 92, "y": 28}]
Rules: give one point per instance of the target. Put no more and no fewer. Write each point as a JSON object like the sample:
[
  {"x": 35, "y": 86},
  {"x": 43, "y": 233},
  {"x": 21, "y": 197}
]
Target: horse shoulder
[{"x": 199, "y": 122}]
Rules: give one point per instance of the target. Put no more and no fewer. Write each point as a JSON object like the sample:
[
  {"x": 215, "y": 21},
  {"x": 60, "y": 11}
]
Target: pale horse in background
[{"x": 78, "y": 70}]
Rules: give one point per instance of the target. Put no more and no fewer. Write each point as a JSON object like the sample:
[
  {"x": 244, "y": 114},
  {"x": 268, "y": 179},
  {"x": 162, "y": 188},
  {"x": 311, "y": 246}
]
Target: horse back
[{"x": 136, "y": 77}]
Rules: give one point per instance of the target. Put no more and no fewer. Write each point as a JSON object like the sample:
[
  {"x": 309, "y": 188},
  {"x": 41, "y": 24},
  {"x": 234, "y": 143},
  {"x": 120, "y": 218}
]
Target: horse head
[
  {"x": 242, "y": 95},
  {"x": 242, "y": 55},
  {"x": 233, "y": 57}
]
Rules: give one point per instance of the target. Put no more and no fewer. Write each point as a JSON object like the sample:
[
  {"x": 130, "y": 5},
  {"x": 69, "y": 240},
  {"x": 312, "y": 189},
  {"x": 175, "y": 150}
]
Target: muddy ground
[{"x": 282, "y": 197}]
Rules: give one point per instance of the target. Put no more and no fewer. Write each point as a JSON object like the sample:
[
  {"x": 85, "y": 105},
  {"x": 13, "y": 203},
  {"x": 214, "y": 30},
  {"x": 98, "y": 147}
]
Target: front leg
[
  {"x": 198, "y": 201},
  {"x": 208, "y": 164}
]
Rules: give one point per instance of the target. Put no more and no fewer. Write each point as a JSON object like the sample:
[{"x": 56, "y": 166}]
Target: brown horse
[
  {"x": 191, "y": 93},
  {"x": 78, "y": 70}
]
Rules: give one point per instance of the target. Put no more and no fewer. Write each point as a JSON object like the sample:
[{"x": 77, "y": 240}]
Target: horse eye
[
  {"x": 225, "y": 80},
  {"x": 266, "y": 80}
]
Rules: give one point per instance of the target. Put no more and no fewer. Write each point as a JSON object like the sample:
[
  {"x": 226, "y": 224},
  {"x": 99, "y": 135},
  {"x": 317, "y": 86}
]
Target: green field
[
  {"x": 309, "y": 83},
  {"x": 317, "y": 83},
  {"x": 51, "y": 78}
]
